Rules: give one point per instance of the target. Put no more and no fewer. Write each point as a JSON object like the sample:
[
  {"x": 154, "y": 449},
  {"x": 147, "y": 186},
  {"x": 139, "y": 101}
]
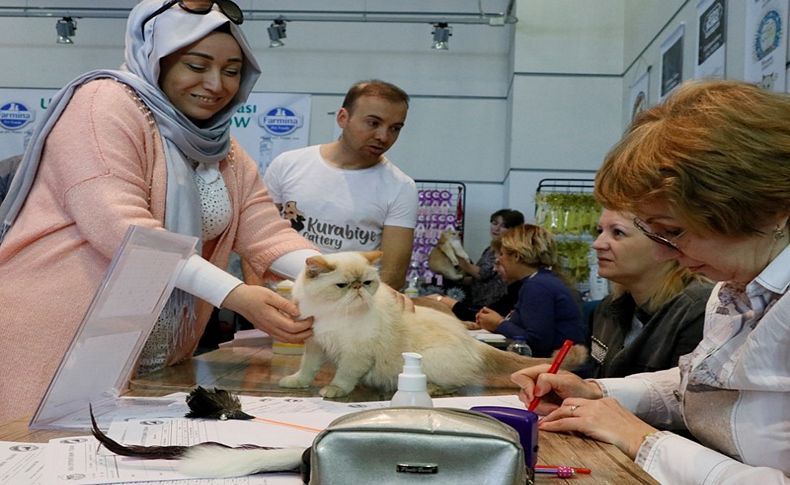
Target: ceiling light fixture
[
  {"x": 66, "y": 28},
  {"x": 441, "y": 36},
  {"x": 277, "y": 33}
]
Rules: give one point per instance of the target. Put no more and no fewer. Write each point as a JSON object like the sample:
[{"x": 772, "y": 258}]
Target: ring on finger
[{"x": 573, "y": 409}]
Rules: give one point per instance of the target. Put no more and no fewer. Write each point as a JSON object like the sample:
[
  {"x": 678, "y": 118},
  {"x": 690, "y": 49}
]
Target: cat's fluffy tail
[
  {"x": 219, "y": 462},
  {"x": 499, "y": 362}
]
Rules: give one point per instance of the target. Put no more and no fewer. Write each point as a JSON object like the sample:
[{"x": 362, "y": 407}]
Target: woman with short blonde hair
[{"x": 547, "y": 310}]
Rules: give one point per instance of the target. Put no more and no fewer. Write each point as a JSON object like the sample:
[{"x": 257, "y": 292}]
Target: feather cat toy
[{"x": 212, "y": 459}]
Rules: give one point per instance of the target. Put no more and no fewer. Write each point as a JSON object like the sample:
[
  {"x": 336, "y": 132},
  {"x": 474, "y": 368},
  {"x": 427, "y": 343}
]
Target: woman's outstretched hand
[
  {"x": 570, "y": 403},
  {"x": 270, "y": 312}
]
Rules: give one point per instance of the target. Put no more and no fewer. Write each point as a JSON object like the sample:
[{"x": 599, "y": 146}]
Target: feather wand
[
  {"x": 211, "y": 459},
  {"x": 221, "y": 404}
]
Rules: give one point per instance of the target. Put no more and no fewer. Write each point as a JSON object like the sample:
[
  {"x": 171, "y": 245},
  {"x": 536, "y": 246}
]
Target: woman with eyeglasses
[
  {"x": 656, "y": 310},
  {"x": 707, "y": 174},
  {"x": 546, "y": 311},
  {"x": 147, "y": 145}
]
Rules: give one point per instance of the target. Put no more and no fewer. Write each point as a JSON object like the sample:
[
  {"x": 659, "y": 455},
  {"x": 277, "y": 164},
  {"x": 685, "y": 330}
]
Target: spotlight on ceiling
[
  {"x": 65, "y": 27},
  {"x": 441, "y": 36},
  {"x": 277, "y": 33}
]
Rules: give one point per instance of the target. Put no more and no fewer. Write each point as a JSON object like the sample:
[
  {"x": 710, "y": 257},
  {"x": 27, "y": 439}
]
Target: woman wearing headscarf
[
  {"x": 147, "y": 145},
  {"x": 707, "y": 174}
]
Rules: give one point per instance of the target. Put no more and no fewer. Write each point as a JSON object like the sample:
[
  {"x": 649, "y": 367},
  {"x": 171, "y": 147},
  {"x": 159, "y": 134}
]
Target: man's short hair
[{"x": 374, "y": 87}]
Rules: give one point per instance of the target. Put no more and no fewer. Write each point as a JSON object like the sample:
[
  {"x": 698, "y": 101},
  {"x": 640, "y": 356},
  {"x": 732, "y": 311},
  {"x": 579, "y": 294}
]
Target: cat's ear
[
  {"x": 317, "y": 265},
  {"x": 372, "y": 256}
]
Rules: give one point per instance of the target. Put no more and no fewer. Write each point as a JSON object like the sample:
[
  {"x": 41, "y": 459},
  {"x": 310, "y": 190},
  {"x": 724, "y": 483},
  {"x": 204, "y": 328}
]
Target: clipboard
[{"x": 98, "y": 364}]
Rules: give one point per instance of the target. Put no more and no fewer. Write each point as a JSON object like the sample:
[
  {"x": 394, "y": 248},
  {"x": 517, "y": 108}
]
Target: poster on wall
[
  {"x": 272, "y": 123},
  {"x": 711, "y": 39},
  {"x": 766, "y": 43},
  {"x": 20, "y": 112},
  {"x": 267, "y": 125},
  {"x": 638, "y": 97},
  {"x": 672, "y": 61}
]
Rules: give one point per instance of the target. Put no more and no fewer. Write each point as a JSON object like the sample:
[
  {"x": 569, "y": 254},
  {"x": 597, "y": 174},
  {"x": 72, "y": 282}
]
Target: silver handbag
[{"x": 417, "y": 445}]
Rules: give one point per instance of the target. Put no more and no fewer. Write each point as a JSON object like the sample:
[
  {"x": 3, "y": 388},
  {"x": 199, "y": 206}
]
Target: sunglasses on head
[{"x": 202, "y": 7}]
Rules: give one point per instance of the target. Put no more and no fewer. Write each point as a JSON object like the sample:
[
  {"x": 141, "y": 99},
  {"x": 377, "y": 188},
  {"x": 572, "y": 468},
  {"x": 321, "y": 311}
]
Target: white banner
[
  {"x": 711, "y": 39},
  {"x": 267, "y": 125},
  {"x": 639, "y": 95},
  {"x": 272, "y": 123},
  {"x": 766, "y": 43},
  {"x": 20, "y": 112},
  {"x": 671, "y": 61}
]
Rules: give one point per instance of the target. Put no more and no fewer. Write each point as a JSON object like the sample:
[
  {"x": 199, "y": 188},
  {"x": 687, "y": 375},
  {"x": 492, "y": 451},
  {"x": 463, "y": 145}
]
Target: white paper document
[
  {"x": 486, "y": 336},
  {"x": 281, "y": 422},
  {"x": 21, "y": 463}
]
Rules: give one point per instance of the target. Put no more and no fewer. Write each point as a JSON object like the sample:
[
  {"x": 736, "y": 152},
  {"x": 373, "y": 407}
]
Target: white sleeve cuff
[
  {"x": 670, "y": 458},
  {"x": 206, "y": 281},
  {"x": 289, "y": 265}
]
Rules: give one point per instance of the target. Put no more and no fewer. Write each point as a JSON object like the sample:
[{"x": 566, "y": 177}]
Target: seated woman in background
[
  {"x": 484, "y": 286},
  {"x": 547, "y": 311},
  {"x": 656, "y": 310}
]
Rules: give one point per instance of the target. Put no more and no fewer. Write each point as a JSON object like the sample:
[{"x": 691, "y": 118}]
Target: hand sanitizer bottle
[{"x": 412, "y": 384}]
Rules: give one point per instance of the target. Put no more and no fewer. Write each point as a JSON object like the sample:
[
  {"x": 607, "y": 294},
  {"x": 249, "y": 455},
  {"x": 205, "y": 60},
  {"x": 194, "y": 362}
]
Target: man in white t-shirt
[{"x": 345, "y": 195}]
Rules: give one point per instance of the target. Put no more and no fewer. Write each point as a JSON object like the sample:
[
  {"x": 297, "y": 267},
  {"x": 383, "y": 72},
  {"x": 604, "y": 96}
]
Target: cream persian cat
[{"x": 362, "y": 326}]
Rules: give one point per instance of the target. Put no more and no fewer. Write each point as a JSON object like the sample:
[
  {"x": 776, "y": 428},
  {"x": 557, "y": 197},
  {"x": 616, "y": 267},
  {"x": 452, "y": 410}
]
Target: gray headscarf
[{"x": 208, "y": 144}]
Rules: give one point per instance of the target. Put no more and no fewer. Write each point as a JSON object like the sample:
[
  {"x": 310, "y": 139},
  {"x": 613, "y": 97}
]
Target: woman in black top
[{"x": 656, "y": 310}]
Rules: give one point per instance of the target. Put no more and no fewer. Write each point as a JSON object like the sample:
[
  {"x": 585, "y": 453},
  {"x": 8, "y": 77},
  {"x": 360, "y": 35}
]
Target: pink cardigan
[{"x": 103, "y": 168}]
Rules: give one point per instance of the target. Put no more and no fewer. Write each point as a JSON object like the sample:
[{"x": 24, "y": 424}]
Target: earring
[{"x": 778, "y": 233}]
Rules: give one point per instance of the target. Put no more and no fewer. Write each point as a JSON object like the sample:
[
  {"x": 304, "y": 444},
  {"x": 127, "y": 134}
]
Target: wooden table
[{"x": 252, "y": 368}]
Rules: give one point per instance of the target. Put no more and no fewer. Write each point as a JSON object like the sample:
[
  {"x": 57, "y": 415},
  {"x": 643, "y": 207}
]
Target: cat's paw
[
  {"x": 332, "y": 390},
  {"x": 294, "y": 381}
]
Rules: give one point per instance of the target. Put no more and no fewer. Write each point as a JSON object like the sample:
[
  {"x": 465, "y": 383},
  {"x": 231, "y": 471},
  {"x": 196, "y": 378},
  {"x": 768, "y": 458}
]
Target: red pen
[{"x": 555, "y": 366}]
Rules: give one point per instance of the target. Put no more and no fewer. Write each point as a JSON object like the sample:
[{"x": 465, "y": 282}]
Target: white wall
[
  {"x": 502, "y": 109},
  {"x": 566, "y": 92}
]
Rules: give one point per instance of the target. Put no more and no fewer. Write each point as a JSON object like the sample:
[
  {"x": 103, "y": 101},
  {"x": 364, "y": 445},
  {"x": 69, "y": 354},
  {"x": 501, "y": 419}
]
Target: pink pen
[{"x": 562, "y": 471}]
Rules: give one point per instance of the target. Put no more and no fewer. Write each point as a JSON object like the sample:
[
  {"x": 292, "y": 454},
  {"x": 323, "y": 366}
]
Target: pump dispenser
[{"x": 412, "y": 384}]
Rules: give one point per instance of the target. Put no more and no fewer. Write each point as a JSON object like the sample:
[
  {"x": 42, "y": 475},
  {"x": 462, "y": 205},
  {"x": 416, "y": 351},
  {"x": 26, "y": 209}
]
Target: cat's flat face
[{"x": 347, "y": 279}]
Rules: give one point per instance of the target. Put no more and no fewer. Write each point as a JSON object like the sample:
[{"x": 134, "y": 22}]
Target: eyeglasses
[
  {"x": 201, "y": 7},
  {"x": 668, "y": 241}
]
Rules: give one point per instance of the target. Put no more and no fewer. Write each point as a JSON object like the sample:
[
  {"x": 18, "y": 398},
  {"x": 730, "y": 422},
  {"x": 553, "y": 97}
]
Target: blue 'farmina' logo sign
[
  {"x": 14, "y": 116},
  {"x": 280, "y": 121}
]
